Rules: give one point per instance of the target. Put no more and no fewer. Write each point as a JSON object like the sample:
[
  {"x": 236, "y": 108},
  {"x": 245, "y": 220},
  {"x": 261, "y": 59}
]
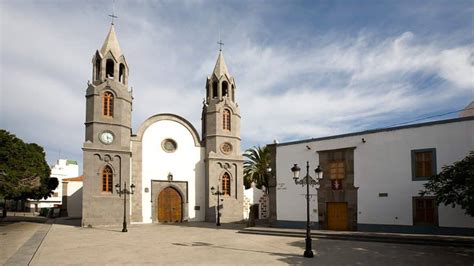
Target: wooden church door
[
  {"x": 337, "y": 216},
  {"x": 169, "y": 206}
]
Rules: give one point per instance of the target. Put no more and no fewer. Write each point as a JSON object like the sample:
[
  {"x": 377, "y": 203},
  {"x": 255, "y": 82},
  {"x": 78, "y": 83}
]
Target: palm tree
[{"x": 256, "y": 165}]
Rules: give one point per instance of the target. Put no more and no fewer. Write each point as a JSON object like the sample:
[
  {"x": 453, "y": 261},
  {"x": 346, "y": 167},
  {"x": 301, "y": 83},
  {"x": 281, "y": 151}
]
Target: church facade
[{"x": 176, "y": 173}]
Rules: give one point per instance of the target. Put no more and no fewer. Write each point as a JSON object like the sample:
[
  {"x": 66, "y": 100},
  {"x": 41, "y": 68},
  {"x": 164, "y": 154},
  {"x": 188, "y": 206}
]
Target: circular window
[
  {"x": 226, "y": 148},
  {"x": 169, "y": 145}
]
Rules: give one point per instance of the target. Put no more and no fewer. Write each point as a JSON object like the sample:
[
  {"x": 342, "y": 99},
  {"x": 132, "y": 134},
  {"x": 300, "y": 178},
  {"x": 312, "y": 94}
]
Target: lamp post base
[
  {"x": 124, "y": 228},
  {"x": 308, "y": 253}
]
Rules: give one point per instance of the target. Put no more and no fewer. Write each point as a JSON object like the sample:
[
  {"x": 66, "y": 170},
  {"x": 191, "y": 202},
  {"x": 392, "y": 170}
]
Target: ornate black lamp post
[
  {"x": 307, "y": 180},
  {"x": 218, "y": 193},
  {"x": 125, "y": 192}
]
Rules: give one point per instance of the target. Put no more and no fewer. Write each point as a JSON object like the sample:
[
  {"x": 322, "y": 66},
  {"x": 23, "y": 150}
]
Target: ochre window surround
[
  {"x": 108, "y": 104},
  {"x": 226, "y": 120},
  {"x": 107, "y": 179},
  {"x": 226, "y": 184}
]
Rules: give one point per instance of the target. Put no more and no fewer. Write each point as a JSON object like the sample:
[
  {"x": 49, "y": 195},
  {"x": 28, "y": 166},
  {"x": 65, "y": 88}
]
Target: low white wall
[{"x": 74, "y": 199}]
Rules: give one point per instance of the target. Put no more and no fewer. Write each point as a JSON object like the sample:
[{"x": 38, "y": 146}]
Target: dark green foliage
[
  {"x": 454, "y": 185},
  {"x": 24, "y": 172},
  {"x": 255, "y": 167}
]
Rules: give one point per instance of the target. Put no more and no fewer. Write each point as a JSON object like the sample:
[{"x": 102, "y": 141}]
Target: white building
[
  {"x": 372, "y": 179},
  {"x": 72, "y": 196},
  {"x": 255, "y": 196},
  {"x": 61, "y": 170}
]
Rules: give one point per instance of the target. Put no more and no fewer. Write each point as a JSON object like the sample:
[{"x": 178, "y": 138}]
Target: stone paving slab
[
  {"x": 26, "y": 252},
  {"x": 206, "y": 244},
  {"x": 12, "y": 237}
]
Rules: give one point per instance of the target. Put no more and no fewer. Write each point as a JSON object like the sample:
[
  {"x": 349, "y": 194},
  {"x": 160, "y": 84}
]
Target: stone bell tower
[
  {"x": 221, "y": 137},
  {"x": 106, "y": 148}
]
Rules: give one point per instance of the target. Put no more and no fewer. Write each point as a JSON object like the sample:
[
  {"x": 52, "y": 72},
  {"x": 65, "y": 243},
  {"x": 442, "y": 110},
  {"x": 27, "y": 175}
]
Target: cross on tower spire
[
  {"x": 220, "y": 44},
  {"x": 113, "y": 13}
]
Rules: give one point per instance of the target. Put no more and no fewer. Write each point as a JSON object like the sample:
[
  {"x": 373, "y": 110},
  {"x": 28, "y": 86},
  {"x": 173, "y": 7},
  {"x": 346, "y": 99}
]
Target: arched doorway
[{"x": 169, "y": 206}]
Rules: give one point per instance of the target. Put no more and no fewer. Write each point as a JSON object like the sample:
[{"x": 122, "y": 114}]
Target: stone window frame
[
  {"x": 107, "y": 179},
  {"x": 226, "y": 184},
  {"x": 226, "y": 122},
  {"x": 413, "y": 163},
  {"x": 108, "y": 104}
]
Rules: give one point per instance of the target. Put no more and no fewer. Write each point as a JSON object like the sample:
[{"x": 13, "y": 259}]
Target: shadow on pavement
[
  {"x": 288, "y": 258},
  {"x": 71, "y": 221},
  {"x": 15, "y": 219}
]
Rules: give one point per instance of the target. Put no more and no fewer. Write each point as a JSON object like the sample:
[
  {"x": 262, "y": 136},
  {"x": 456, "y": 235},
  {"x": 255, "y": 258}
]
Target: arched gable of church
[
  {"x": 167, "y": 152},
  {"x": 171, "y": 117}
]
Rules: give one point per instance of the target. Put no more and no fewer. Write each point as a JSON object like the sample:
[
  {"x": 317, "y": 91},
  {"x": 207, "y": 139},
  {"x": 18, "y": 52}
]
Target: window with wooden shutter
[
  {"x": 425, "y": 211},
  {"x": 107, "y": 179},
  {"x": 337, "y": 169},
  {"x": 423, "y": 164},
  {"x": 108, "y": 104},
  {"x": 226, "y": 120},
  {"x": 226, "y": 184}
]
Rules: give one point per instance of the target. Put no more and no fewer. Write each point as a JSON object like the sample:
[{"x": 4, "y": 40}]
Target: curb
[{"x": 370, "y": 237}]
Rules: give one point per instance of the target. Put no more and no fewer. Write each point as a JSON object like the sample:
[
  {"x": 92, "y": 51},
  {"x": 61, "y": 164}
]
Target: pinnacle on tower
[
  {"x": 111, "y": 44},
  {"x": 220, "y": 68}
]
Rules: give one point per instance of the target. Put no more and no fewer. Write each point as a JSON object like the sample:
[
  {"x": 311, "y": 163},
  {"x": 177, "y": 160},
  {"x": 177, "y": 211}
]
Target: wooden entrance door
[
  {"x": 169, "y": 206},
  {"x": 337, "y": 216}
]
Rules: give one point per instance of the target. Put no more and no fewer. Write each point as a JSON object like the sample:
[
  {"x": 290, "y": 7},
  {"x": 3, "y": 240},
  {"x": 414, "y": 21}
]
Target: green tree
[
  {"x": 454, "y": 185},
  {"x": 255, "y": 166},
  {"x": 24, "y": 172}
]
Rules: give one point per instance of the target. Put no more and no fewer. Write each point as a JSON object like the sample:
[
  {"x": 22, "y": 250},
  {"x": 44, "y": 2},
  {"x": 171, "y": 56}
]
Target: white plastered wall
[
  {"x": 184, "y": 164},
  {"x": 74, "y": 198},
  {"x": 381, "y": 165}
]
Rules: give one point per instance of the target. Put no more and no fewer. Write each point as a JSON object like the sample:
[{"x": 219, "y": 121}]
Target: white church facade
[{"x": 175, "y": 171}]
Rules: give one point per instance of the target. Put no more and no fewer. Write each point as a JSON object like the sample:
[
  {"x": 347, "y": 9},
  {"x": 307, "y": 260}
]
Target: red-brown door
[{"x": 169, "y": 206}]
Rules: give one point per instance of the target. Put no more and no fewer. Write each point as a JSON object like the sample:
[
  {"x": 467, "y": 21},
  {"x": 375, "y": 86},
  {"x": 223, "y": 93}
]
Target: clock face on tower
[{"x": 107, "y": 137}]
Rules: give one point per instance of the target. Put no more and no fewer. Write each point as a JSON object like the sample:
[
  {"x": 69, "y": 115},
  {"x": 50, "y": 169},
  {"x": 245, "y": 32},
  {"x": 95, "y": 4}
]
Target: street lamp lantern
[
  {"x": 308, "y": 181},
  {"x": 296, "y": 171},
  {"x": 125, "y": 192}
]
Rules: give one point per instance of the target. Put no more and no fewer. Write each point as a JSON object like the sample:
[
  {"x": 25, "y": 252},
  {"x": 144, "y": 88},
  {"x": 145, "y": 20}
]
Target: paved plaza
[{"x": 201, "y": 243}]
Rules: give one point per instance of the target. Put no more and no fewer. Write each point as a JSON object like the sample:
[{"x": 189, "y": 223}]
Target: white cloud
[{"x": 341, "y": 83}]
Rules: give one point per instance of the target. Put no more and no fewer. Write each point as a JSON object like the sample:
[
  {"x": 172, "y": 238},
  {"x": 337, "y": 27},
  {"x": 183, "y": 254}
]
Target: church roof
[
  {"x": 220, "y": 68},
  {"x": 111, "y": 44}
]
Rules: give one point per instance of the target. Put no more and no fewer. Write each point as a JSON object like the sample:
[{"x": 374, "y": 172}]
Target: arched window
[
  {"x": 107, "y": 179},
  {"x": 225, "y": 88},
  {"x": 226, "y": 184},
  {"x": 108, "y": 104},
  {"x": 109, "y": 68},
  {"x": 122, "y": 73},
  {"x": 214, "y": 89},
  {"x": 97, "y": 69},
  {"x": 226, "y": 120}
]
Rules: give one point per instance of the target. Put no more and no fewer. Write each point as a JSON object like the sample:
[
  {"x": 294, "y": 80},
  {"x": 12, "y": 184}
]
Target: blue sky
[{"x": 303, "y": 68}]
